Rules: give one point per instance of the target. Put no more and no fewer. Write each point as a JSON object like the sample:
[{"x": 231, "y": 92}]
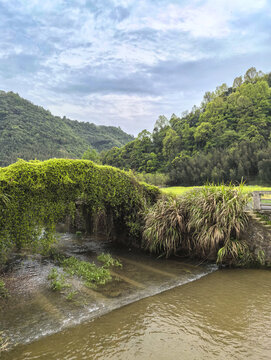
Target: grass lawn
[{"x": 179, "y": 190}]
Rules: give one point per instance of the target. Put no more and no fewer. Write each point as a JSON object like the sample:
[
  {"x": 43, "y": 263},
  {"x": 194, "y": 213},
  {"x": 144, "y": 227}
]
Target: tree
[
  {"x": 237, "y": 82},
  {"x": 91, "y": 154},
  {"x": 251, "y": 75}
]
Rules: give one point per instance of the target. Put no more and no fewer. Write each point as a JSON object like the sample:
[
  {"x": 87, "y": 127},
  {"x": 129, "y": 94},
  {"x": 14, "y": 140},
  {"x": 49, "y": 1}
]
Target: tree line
[{"x": 226, "y": 138}]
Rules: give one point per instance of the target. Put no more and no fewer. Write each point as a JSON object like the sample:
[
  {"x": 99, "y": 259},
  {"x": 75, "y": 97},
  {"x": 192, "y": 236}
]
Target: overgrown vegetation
[
  {"x": 226, "y": 139},
  {"x": 206, "y": 222},
  {"x": 31, "y": 132},
  {"x": 42, "y": 193}
]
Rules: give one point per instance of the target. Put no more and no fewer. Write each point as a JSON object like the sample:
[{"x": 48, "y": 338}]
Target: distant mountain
[{"x": 28, "y": 131}]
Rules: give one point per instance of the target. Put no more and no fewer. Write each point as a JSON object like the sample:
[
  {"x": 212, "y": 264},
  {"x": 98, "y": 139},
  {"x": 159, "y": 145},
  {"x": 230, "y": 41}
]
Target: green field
[{"x": 179, "y": 190}]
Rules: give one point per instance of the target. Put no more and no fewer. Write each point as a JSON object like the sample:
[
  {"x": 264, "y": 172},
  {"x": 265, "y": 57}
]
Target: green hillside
[
  {"x": 227, "y": 138},
  {"x": 28, "y": 131}
]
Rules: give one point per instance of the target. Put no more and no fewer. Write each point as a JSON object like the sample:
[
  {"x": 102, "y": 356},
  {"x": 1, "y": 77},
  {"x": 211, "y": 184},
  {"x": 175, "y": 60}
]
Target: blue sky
[{"x": 126, "y": 62}]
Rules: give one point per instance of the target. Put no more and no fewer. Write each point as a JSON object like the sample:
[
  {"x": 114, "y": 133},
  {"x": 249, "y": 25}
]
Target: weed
[
  {"x": 3, "y": 290},
  {"x": 3, "y": 342},
  {"x": 58, "y": 281},
  {"x": 261, "y": 257},
  {"x": 108, "y": 261},
  {"x": 71, "y": 295},
  {"x": 89, "y": 272}
]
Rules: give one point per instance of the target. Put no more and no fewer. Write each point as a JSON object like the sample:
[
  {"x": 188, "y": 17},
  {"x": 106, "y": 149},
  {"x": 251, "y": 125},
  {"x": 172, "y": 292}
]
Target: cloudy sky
[{"x": 125, "y": 62}]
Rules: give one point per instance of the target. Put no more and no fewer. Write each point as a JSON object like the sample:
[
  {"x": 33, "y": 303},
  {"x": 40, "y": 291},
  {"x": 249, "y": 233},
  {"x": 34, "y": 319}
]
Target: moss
[{"x": 41, "y": 193}]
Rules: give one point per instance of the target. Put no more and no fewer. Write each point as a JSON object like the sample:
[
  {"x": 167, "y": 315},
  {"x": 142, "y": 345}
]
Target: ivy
[{"x": 40, "y": 194}]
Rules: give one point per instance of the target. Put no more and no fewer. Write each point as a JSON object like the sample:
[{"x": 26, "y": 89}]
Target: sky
[{"x": 125, "y": 62}]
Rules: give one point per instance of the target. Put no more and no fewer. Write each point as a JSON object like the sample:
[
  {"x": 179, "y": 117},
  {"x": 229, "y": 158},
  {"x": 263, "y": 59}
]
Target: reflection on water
[{"x": 224, "y": 315}]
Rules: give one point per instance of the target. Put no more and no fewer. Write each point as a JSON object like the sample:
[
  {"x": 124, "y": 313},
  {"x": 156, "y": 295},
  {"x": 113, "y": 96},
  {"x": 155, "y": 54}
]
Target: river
[{"x": 158, "y": 309}]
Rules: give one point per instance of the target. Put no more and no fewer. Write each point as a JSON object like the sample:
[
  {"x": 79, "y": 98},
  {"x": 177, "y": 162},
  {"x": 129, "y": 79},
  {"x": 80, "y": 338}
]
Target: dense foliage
[
  {"x": 227, "y": 138},
  {"x": 206, "y": 222},
  {"x": 31, "y": 132},
  {"x": 36, "y": 195}
]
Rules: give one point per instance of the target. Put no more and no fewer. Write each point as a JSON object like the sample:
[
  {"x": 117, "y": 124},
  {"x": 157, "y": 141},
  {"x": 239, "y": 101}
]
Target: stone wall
[{"x": 258, "y": 237}]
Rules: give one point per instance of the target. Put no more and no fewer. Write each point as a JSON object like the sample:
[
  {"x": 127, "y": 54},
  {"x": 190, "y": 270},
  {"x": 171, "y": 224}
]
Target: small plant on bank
[
  {"x": 3, "y": 290},
  {"x": 3, "y": 343},
  {"x": 71, "y": 295},
  {"x": 234, "y": 252},
  {"x": 261, "y": 257},
  {"x": 89, "y": 272},
  {"x": 265, "y": 218},
  {"x": 108, "y": 260},
  {"x": 58, "y": 281}
]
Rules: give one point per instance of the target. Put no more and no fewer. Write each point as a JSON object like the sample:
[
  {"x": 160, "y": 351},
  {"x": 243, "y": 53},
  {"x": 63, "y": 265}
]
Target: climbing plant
[{"x": 36, "y": 195}]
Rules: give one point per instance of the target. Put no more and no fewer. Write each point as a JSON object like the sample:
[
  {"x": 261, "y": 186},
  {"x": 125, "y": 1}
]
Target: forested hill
[
  {"x": 226, "y": 138},
  {"x": 28, "y": 132}
]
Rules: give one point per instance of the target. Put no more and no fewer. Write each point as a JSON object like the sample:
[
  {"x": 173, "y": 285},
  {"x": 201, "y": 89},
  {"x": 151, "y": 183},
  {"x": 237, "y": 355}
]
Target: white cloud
[{"x": 210, "y": 19}]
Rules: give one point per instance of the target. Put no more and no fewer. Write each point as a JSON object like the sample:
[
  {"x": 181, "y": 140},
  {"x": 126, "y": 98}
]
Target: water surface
[{"x": 204, "y": 315}]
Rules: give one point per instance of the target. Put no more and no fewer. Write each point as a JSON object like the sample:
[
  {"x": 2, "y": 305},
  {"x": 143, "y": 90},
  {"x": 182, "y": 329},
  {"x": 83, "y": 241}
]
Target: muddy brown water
[{"x": 156, "y": 309}]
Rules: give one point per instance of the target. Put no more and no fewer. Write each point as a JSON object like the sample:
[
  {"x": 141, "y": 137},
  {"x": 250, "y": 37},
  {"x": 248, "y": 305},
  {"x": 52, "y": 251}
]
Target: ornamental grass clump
[
  {"x": 165, "y": 226},
  {"x": 216, "y": 219},
  {"x": 206, "y": 223}
]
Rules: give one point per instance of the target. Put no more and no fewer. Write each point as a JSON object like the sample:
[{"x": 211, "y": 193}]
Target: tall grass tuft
[
  {"x": 165, "y": 226},
  {"x": 216, "y": 215},
  {"x": 205, "y": 222}
]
